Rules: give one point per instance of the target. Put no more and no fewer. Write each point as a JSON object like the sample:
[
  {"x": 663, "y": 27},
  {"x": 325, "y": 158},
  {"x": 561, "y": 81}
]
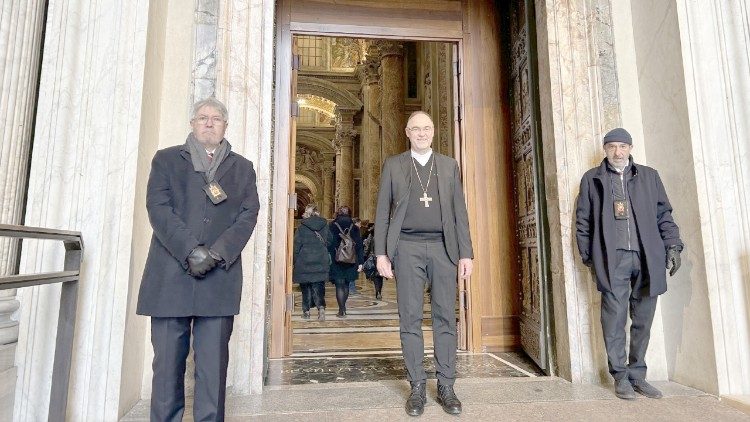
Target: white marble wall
[
  {"x": 245, "y": 82},
  {"x": 716, "y": 58},
  {"x": 83, "y": 165},
  {"x": 666, "y": 134},
  {"x": 579, "y": 103}
]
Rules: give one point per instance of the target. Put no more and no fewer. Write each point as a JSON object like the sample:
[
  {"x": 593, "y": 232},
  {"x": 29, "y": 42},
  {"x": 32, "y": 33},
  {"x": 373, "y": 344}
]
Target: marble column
[
  {"x": 344, "y": 166},
  {"x": 370, "y": 137},
  {"x": 392, "y": 98},
  {"x": 83, "y": 167},
  {"x": 21, "y": 26},
  {"x": 327, "y": 170}
]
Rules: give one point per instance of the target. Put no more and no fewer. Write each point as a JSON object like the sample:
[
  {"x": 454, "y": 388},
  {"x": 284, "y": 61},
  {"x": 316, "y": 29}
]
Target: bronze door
[{"x": 526, "y": 160}]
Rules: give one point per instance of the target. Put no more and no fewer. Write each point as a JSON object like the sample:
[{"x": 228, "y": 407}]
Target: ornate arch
[
  {"x": 310, "y": 182},
  {"x": 322, "y": 88},
  {"x": 315, "y": 141}
]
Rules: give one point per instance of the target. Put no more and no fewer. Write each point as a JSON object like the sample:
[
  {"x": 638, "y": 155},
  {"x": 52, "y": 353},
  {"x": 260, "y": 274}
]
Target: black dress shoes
[
  {"x": 447, "y": 398},
  {"x": 417, "y": 399}
]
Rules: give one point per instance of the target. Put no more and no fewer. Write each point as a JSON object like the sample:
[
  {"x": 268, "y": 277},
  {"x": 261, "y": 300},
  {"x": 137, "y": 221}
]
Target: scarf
[{"x": 199, "y": 156}]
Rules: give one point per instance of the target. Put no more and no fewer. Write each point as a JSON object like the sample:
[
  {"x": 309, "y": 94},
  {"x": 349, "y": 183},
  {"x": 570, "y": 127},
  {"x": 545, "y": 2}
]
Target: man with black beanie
[{"x": 626, "y": 233}]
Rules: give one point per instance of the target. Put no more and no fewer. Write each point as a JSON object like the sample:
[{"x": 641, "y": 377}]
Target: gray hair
[
  {"x": 310, "y": 210},
  {"x": 211, "y": 102}
]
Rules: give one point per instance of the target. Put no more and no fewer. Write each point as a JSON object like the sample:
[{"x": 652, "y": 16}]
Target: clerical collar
[{"x": 422, "y": 158}]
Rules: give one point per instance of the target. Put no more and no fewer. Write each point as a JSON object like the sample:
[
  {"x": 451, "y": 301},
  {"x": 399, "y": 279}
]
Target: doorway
[
  {"x": 492, "y": 303},
  {"x": 353, "y": 97}
]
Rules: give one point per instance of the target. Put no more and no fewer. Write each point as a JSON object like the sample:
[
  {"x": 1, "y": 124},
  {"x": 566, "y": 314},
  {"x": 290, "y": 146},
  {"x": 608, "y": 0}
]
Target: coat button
[{"x": 206, "y": 220}]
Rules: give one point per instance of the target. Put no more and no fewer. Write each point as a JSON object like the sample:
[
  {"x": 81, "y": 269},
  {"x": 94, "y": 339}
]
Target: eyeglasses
[
  {"x": 417, "y": 129},
  {"x": 216, "y": 120}
]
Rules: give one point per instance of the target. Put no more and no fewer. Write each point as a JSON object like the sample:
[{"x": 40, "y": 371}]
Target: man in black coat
[
  {"x": 202, "y": 202},
  {"x": 625, "y": 231}
]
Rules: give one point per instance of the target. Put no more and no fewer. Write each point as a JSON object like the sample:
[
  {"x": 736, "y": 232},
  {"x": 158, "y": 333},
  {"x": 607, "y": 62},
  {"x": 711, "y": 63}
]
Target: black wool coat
[
  {"x": 597, "y": 236},
  {"x": 345, "y": 271},
  {"x": 311, "y": 259},
  {"x": 183, "y": 217}
]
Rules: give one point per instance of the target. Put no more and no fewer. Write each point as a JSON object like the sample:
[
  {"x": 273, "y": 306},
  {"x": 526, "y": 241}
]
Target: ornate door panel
[{"x": 526, "y": 190}]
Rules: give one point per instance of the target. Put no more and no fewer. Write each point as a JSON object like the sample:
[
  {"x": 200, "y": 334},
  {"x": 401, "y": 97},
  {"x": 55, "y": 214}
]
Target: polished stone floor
[
  {"x": 484, "y": 399},
  {"x": 370, "y": 325},
  {"x": 369, "y": 367}
]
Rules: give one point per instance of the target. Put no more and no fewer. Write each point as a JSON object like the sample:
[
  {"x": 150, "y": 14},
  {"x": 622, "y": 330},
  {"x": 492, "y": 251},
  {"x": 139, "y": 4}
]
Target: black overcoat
[
  {"x": 311, "y": 259},
  {"x": 183, "y": 217},
  {"x": 345, "y": 271},
  {"x": 596, "y": 233}
]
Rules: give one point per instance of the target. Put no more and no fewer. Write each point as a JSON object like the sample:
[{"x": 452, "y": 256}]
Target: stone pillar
[
  {"x": 83, "y": 167},
  {"x": 327, "y": 204},
  {"x": 392, "y": 98},
  {"x": 344, "y": 167},
  {"x": 20, "y": 39},
  {"x": 370, "y": 137}
]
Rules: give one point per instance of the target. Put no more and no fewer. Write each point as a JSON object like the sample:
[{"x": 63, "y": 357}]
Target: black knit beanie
[{"x": 618, "y": 135}]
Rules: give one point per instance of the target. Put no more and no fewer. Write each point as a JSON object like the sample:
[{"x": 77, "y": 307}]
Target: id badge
[
  {"x": 215, "y": 193},
  {"x": 621, "y": 209}
]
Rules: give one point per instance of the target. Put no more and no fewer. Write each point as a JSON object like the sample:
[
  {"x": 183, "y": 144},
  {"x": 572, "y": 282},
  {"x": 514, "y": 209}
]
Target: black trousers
[
  {"x": 615, "y": 306},
  {"x": 171, "y": 340},
  {"x": 313, "y": 294},
  {"x": 415, "y": 264}
]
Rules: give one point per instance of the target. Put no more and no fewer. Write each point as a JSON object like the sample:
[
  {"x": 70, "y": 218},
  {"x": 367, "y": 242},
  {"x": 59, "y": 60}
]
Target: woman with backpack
[
  {"x": 311, "y": 260},
  {"x": 347, "y": 255}
]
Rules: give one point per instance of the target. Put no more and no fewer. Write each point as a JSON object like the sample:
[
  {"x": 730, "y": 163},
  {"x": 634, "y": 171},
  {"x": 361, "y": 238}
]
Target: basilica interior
[{"x": 354, "y": 96}]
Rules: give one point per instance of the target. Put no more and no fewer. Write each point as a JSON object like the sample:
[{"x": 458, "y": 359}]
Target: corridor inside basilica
[{"x": 353, "y": 98}]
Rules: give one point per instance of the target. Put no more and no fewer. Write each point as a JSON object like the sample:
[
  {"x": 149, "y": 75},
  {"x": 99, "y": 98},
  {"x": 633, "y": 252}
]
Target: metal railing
[{"x": 68, "y": 304}]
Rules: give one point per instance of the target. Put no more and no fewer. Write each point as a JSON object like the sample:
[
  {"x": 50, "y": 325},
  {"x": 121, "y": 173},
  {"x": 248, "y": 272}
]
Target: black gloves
[
  {"x": 200, "y": 261},
  {"x": 673, "y": 260}
]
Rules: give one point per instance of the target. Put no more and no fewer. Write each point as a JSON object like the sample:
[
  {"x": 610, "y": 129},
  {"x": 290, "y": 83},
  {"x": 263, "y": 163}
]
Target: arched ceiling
[
  {"x": 315, "y": 141},
  {"x": 309, "y": 85},
  {"x": 308, "y": 182}
]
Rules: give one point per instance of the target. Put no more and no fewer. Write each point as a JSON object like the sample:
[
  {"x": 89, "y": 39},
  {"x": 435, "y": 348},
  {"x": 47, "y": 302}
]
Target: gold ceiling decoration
[{"x": 319, "y": 104}]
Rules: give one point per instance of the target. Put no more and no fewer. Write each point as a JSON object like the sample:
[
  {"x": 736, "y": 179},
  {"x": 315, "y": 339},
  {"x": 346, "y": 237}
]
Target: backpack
[{"x": 345, "y": 253}]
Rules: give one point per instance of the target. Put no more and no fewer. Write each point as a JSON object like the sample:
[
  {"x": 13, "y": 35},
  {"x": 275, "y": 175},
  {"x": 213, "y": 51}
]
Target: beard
[{"x": 618, "y": 164}]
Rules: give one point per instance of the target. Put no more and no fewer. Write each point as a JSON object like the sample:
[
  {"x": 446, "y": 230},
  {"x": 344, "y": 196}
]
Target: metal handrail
[{"x": 69, "y": 277}]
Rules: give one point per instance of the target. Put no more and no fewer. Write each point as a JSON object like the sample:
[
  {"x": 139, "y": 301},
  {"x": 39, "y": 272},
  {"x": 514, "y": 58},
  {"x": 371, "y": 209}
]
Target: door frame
[{"x": 279, "y": 343}]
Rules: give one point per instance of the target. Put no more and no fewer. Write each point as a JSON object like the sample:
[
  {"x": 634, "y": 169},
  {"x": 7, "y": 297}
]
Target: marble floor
[
  {"x": 352, "y": 370},
  {"x": 372, "y": 367},
  {"x": 484, "y": 399},
  {"x": 365, "y": 346},
  {"x": 370, "y": 325}
]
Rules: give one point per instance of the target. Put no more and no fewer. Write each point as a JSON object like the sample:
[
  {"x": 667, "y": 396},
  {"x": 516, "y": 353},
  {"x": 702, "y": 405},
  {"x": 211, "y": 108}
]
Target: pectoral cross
[{"x": 426, "y": 199}]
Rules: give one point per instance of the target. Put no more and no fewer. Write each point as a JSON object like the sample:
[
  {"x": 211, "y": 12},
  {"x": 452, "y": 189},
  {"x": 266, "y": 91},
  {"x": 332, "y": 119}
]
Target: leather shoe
[
  {"x": 624, "y": 390},
  {"x": 417, "y": 398},
  {"x": 447, "y": 398},
  {"x": 306, "y": 314},
  {"x": 645, "y": 389}
]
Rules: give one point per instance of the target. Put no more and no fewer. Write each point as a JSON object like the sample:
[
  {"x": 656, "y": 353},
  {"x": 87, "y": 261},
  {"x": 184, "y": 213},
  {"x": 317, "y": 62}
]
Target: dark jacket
[
  {"x": 345, "y": 271},
  {"x": 596, "y": 233},
  {"x": 311, "y": 260},
  {"x": 393, "y": 198},
  {"x": 183, "y": 217}
]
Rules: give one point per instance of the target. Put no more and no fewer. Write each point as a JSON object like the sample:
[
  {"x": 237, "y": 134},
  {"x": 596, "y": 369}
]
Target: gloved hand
[
  {"x": 673, "y": 260},
  {"x": 200, "y": 261}
]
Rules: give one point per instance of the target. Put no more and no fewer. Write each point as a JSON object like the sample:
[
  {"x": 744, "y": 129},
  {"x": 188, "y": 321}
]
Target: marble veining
[{"x": 321, "y": 370}]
